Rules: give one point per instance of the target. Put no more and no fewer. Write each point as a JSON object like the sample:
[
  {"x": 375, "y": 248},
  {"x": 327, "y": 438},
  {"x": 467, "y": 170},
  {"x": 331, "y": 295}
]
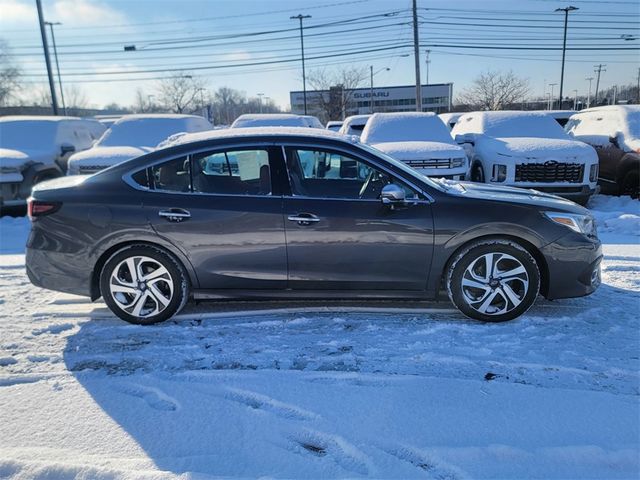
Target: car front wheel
[
  {"x": 142, "y": 284},
  {"x": 493, "y": 280}
]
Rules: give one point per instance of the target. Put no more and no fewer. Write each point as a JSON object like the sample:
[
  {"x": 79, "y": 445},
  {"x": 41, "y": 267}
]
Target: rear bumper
[
  {"x": 574, "y": 264},
  {"x": 62, "y": 272}
]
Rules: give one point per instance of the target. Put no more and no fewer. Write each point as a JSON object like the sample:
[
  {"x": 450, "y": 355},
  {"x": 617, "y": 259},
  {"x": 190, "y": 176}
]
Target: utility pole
[
  {"x": 427, "y": 61},
  {"x": 551, "y": 99},
  {"x": 304, "y": 77},
  {"x": 416, "y": 56},
  {"x": 566, "y": 11},
  {"x": 55, "y": 55},
  {"x": 599, "y": 69},
  {"x": 589, "y": 95},
  {"x": 47, "y": 60}
]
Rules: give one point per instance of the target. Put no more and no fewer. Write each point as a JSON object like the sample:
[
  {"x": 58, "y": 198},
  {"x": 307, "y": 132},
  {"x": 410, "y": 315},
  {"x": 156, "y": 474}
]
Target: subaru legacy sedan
[{"x": 301, "y": 213}]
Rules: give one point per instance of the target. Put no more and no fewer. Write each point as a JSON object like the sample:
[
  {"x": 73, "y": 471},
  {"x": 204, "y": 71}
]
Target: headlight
[
  {"x": 458, "y": 162},
  {"x": 584, "y": 224},
  {"x": 499, "y": 173}
]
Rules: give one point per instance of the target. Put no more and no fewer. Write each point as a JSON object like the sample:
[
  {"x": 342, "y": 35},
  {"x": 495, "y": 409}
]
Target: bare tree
[
  {"x": 227, "y": 104},
  {"x": 144, "y": 103},
  {"x": 334, "y": 90},
  {"x": 180, "y": 94},
  {"x": 75, "y": 100},
  {"x": 9, "y": 76},
  {"x": 495, "y": 91}
]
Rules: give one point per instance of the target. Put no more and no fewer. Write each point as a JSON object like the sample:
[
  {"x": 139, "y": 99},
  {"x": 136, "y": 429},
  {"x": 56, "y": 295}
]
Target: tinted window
[
  {"x": 141, "y": 178},
  {"x": 237, "y": 172},
  {"x": 172, "y": 176},
  {"x": 325, "y": 174}
]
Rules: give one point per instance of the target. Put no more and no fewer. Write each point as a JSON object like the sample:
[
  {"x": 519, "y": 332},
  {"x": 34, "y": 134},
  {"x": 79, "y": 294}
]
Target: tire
[
  {"x": 477, "y": 173},
  {"x": 142, "y": 300},
  {"x": 630, "y": 184},
  {"x": 485, "y": 297}
]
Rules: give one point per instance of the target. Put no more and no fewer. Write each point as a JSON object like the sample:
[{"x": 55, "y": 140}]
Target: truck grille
[
  {"x": 430, "y": 163},
  {"x": 549, "y": 172}
]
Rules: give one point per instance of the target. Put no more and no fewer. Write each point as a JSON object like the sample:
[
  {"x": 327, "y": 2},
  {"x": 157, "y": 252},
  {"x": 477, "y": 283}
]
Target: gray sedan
[{"x": 305, "y": 214}]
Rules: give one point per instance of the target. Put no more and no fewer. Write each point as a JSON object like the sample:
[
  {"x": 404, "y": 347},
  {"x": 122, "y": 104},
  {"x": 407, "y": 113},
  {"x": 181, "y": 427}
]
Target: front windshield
[
  {"x": 538, "y": 126},
  {"x": 144, "y": 132},
  {"x": 404, "y": 167},
  {"x": 27, "y": 134}
]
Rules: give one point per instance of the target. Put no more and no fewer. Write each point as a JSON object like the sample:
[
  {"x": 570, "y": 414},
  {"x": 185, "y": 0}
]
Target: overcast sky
[{"x": 195, "y": 35}]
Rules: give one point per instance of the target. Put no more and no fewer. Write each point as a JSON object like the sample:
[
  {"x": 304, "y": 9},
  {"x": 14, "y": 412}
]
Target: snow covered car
[
  {"x": 276, "y": 120},
  {"x": 334, "y": 125},
  {"x": 33, "y": 149},
  {"x": 131, "y": 136},
  {"x": 527, "y": 150},
  {"x": 614, "y": 131},
  {"x": 254, "y": 213},
  {"x": 450, "y": 119},
  {"x": 354, "y": 125},
  {"x": 420, "y": 140}
]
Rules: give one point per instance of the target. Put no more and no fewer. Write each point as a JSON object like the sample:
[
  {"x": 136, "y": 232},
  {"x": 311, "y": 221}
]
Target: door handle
[
  {"x": 303, "y": 219},
  {"x": 175, "y": 214}
]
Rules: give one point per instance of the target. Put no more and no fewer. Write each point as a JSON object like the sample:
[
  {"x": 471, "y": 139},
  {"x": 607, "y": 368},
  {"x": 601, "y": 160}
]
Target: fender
[
  {"x": 34, "y": 173},
  {"x": 629, "y": 161}
]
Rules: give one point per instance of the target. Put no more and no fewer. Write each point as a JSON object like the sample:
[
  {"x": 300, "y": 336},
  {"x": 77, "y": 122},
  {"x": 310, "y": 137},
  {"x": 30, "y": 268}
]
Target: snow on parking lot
[{"x": 313, "y": 390}]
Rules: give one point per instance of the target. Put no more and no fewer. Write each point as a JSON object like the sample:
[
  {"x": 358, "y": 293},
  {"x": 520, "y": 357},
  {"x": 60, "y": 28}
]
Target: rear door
[
  {"x": 339, "y": 234},
  {"x": 220, "y": 209}
]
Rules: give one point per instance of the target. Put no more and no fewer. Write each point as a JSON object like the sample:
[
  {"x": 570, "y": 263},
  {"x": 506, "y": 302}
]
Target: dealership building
[{"x": 435, "y": 98}]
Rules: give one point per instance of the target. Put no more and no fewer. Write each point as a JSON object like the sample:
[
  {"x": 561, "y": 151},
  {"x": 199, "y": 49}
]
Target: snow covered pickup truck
[
  {"x": 34, "y": 149},
  {"x": 527, "y": 150}
]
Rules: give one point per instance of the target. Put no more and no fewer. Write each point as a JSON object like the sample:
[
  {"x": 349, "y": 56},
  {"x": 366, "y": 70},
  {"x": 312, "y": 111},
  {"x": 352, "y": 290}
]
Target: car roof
[
  {"x": 249, "y": 132},
  {"x": 624, "y": 109},
  {"x": 145, "y": 116},
  {"x": 36, "y": 118}
]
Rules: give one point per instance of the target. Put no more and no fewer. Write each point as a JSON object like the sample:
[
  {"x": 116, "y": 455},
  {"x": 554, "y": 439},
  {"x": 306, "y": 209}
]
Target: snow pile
[
  {"x": 619, "y": 215},
  {"x": 13, "y": 234},
  {"x": 405, "y": 127}
]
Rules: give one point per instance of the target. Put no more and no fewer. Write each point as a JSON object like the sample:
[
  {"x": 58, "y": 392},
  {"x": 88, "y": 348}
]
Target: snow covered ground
[{"x": 314, "y": 391}]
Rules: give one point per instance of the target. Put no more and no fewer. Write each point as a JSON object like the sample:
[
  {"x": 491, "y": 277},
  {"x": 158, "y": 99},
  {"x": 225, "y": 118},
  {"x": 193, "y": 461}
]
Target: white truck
[{"x": 528, "y": 150}]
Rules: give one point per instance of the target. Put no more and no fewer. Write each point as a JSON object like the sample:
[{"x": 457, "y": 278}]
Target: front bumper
[
  {"x": 577, "y": 192},
  {"x": 573, "y": 262}
]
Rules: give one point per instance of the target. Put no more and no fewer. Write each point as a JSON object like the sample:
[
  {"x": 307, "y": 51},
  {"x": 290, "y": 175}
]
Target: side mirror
[
  {"x": 66, "y": 148},
  {"x": 465, "y": 138},
  {"x": 392, "y": 195},
  {"x": 613, "y": 140}
]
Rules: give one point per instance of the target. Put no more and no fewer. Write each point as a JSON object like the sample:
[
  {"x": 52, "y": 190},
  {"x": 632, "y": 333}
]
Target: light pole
[
  {"x": 566, "y": 11},
  {"x": 45, "y": 47},
  {"x": 575, "y": 99},
  {"x": 427, "y": 62},
  {"x": 551, "y": 100},
  {"x": 372, "y": 74},
  {"x": 548, "y": 101},
  {"x": 589, "y": 94},
  {"x": 55, "y": 55},
  {"x": 304, "y": 78},
  {"x": 260, "y": 95}
]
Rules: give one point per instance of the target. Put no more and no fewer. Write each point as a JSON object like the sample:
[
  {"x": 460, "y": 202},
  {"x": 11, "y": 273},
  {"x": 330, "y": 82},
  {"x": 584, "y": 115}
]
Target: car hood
[
  {"x": 17, "y": 158},
  {"x": 536, "y": 148},
  {"x": 419, "y": 150},
  {"x": 512, "y": 195},
  {"x": 106, "y": 156}
]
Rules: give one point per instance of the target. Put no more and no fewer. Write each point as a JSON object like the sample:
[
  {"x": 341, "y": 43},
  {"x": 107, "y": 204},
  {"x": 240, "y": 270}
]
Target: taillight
[{"x": 38, "y": 208}]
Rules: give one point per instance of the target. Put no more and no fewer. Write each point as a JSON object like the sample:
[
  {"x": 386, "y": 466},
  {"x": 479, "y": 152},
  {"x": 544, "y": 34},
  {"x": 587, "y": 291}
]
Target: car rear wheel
[
  {"x": 142, "y": 284},
  {"x": 493, "y": 280}
]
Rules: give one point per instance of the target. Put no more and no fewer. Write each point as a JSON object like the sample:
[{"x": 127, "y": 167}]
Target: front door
[
  {"x": 340, "y": 235},
  {"x": 218, "y": 208}
]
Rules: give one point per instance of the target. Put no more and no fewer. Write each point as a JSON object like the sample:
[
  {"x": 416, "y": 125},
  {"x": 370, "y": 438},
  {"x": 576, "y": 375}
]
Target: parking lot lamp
[
  {"x": 551, "y": 101},
  {"x": 566, "y": 11},
  {"x": 386, "y": 69}
]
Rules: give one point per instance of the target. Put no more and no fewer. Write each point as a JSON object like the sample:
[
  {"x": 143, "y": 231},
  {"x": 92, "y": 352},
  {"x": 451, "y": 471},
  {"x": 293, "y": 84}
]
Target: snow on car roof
[
  {"x": 508, "y": 123},
  {"x": 405, "y": 127},
  {"x": 258, "y": 131},
  {"x": 146, "y": 116},
  {"x": 272, "y": 119},
  {"x": 356, "y": 119},
  {"x": 36, "y": 118}
]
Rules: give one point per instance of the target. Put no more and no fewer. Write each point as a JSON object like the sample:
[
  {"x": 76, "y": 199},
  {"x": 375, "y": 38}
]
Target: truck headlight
[
  {"x": 458, "y": 162},
  {"x": 593, "y": 172},
  {"x": 499, "y": 173},
  {"x": 584, "y": 224}
]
